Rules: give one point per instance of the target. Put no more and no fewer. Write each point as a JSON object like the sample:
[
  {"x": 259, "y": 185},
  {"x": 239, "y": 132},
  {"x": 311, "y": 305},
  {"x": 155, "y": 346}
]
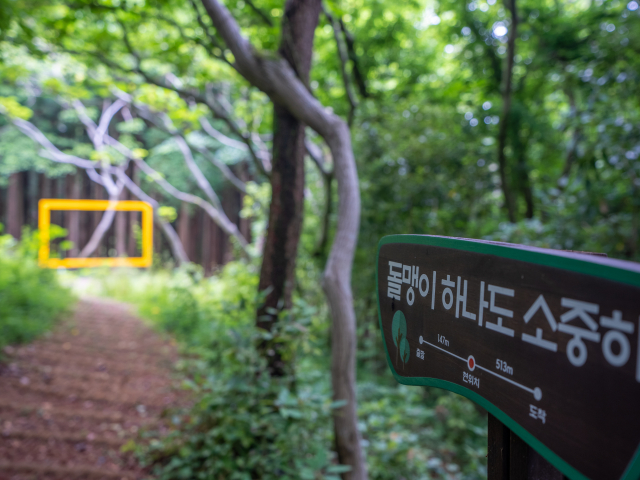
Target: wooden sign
[{"x": 546, "y": 341}]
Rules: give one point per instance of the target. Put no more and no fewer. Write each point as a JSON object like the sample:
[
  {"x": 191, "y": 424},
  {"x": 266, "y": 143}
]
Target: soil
[{"x": 71, "y": 400}]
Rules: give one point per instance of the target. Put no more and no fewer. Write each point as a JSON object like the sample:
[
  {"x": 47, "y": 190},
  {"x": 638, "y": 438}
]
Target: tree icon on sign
[{"x": 399, "y": 333}]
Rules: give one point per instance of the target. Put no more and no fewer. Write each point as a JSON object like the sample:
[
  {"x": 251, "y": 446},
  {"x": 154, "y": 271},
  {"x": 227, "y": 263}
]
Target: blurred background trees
[{"x": 515, "y": 121}]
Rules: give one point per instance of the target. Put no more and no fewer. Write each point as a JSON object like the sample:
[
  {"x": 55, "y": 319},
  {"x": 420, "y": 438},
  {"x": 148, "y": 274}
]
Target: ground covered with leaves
[{"x": 72, "y": 403}]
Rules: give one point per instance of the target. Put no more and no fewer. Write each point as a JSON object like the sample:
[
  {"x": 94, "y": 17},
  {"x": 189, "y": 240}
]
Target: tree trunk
[
  {"x": 183, "y": 228},
  {"x": 244, "y": 223},
  {"x": 276, "y": 78},
  {"x": 218, "y": 240},
  {"x": 73, "y": 216},
  {"x": 506, "y": 108},
  {"x": 523, "y": 179},
  {"x": 196, "y": 237},
  {"x": 15, "y": 204},
  {"x": 207, "y": 260},
  {"x": 229, "y": 206},
  {"x": 31, "y": 199},
  {"x": 277, "y": 275},
  {"x": 132, "y": 247},
  {"x": 121, "y": 230},
  {"x": 98, "y": 194}
]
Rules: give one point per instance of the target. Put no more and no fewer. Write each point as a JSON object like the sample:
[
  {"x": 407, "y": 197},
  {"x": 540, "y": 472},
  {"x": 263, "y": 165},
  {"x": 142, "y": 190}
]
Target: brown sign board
[{"x": 547, "y": 341}]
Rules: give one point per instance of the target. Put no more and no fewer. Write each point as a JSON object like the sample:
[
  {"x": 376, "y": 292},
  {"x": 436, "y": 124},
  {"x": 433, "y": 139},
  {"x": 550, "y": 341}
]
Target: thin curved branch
[
  {"x": 226, "y": 171},
  {"x": 205, "y": 28},
  {"x": 32, "y": 132},
  {"x": 315, "y": 154},
  {"x": 355, "y": 61},
  {"x": 260, "y": 13},
  {"x": 203, "y": 183},
  {"x": 327, "y": 179},
  {"x": 51, "y": 152},
  {"x": 96, "y": 134},
  {"x": 216, "y": 215},
  {"x": 174, "y": 240},
  {"x": 221, "y": 137},
  {"x": 277, "y": 79},
  {"x": 105, "y": 222},
  {"x": 344, "y": 59}
]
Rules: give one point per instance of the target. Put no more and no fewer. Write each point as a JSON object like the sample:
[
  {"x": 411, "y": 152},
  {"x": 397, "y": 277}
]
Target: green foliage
[
  {"x": 31, "y": 298},
  {"x": 246, "y": 424},
  {"x": 428, "y": 76},
  {"x": 168, "y": 214},
  {"x": 9, "y": 106},
  {"x": 421, "y": 433}
]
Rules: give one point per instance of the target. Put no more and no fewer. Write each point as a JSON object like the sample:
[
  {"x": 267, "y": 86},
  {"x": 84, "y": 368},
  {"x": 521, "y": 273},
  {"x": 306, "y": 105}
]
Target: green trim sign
[{"x": 547, "y": 341}]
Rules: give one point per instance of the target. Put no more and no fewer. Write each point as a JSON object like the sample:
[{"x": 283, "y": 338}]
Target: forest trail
[{"x": 72, "y": 399}]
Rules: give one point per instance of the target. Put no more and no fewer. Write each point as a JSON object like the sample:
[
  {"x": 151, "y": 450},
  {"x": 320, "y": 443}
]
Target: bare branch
[
  {"x": 203, "y": 183},
  {"x": 262, "y": 15},
  {"x": 342, "y": 54},
  {"x": 277, "y": 79},
  {"x": 219, "y": 136},
  {"x": 316, "y": 155},
  {"x": 355, "y": 62},
  {"x": 218, "y": 216},
  {"x": 506, "y": 109},
  {"x": 105, "y": 222},
  {"x": 105, "y": 120},
  {"x": 226, "y": 171},
  {"x": 174, "y": 240},
  {"x": 261, "y": 161},
  {"x": 51, "y": 152},
  {"x": 32, "y": 132},
  {"x": 214, "y": 41}
]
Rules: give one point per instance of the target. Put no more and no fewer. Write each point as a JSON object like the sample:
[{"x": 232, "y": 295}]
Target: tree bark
[
  {"x": 206, "y": 245},
  {"x": 31, "y": 199},
  {"x": 121, "y": 230},
  {"x": 15, "y": 205},
  {"x": 506, "y": 109},
  {"x": 133, "y": 218},
  {"x": 177, "y": 249},
  {"x": 244, "y": 223},
  {"x": 74, "y": 187},
  {"x": 183, "y": 227},
  {"x": 276, "y": 78},
  {"x": 277, "y": 275}
]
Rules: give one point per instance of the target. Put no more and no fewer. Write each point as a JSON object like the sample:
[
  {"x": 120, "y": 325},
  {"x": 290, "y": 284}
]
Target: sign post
[{"x": 546, "y": 341}]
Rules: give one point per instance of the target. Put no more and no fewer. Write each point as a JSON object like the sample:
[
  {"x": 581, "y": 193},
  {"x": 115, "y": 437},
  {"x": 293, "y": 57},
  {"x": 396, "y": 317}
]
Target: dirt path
[{"x": 69, "y": 401}]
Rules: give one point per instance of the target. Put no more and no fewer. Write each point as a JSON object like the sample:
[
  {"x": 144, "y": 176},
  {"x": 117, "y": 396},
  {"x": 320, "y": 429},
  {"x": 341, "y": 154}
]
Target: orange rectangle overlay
[{"x": 45, "y": 206}]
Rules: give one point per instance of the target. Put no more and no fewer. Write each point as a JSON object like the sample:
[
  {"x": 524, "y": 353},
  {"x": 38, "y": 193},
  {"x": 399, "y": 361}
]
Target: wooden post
[
  {"x": 509, "y": 458},
  {"x": 497, "y": 450}
]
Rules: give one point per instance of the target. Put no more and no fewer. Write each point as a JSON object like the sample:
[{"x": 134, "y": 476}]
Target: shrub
[
  {"x": 31, "y": 298},
  {"x": 245, "y": 424}
]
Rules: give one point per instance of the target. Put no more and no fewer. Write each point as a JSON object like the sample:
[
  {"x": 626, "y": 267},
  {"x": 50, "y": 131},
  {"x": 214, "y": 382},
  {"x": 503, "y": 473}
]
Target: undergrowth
[
  {"x": 246, "y": 425},
  {"x": 31, "y": 298}
]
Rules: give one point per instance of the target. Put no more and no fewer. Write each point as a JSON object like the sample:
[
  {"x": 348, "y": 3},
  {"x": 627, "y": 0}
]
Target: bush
[
  {"x": 31, "y": 298},
  {"x": 245, "y": 424}
]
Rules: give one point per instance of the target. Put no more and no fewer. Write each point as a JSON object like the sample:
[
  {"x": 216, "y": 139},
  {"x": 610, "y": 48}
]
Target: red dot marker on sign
[{"x": 471, "y": 363}]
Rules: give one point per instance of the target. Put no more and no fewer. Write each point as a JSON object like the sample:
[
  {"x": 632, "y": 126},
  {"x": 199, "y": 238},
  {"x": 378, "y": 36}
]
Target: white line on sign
[
  {"x": 537, "y": 393},
  {"x": 445, "y": 351}
]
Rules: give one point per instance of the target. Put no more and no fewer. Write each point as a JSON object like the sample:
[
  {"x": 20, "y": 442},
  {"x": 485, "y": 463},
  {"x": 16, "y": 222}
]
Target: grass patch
[{"x": 31, "y": 298}]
